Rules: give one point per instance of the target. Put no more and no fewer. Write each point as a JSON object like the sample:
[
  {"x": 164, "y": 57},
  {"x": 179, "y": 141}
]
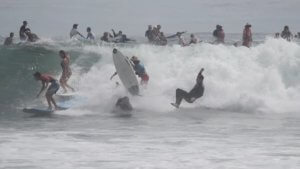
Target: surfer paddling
[
  {"x": 66, "y": 71},
  {"x": 53, "y": 88},
  {"x": 193, "y": 95}
]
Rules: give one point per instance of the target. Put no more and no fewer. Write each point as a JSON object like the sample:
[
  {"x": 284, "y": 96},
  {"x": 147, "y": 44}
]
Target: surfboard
[
  {"x": 125, "y": 72},
  {"x": 42, "y": 111}
]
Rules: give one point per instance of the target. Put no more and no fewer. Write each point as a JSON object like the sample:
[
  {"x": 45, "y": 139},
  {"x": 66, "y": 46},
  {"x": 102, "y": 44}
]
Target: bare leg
[
  {"x": 53, "y": 101},
  {"x": 49, "y": 101},
  {"x": 62, "y": 84}
]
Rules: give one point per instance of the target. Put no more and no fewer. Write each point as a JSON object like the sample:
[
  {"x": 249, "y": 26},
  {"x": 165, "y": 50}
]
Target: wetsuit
[
  {"x": 22, "y": 32},
  {"x": 286, "y": 34},
  {"x": 54, "y": 86},
  {"x": 194, "y": 94}
]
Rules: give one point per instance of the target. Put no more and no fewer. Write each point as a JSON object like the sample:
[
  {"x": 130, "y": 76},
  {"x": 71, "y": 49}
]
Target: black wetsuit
[
  {"x": 194, "y": 94},
  {"x": 22, "y": 33}
]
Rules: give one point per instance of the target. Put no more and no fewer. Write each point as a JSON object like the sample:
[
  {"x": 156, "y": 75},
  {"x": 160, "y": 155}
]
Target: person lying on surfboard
[
  {"x": 53, "y": 88},
  {"x": 139, "y": 70},
  {"x": 193, "y": 95}
]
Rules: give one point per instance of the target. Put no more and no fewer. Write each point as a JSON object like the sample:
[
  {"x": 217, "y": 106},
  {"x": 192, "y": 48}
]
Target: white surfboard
[{"x": 125, "y": 72}]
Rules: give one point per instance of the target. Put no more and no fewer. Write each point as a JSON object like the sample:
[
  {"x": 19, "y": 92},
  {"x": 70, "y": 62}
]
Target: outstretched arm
[
  {"x": 113, "y": 75},
  {"x": 113, "y": 31}
]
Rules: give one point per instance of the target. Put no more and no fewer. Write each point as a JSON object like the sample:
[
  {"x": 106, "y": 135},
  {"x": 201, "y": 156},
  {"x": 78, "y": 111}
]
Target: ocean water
[{"x": 248, "y": 117}]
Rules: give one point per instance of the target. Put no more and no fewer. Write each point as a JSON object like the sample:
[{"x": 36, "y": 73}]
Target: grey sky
[{"x": 55, "y": 17}]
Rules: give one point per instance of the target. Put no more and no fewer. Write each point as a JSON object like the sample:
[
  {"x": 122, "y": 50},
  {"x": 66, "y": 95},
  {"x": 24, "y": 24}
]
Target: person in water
[
  {"x": 139, "y": 70},
  {"x": 247, "y": 36},
  {"x": 123, "y": 103},
  {"x": 193, "y": 95},
  {"x": 117, "y": 35},
  {"x": 193, "y": 40},
  {"x": 90, "y": 35},
  {"x": 286, "y": 33},
  {"x": 31, "y": 37},
  {"x": 52, "y": 89},
  {"x": 219, "y": 34},
  {"x": 66, "y": 71},
  {"x": 22, "y": 31},
  {"x": 106, "y": 37},
  {"x": 9, "y": 40},
  {"x": 74, "y": 31},
  {"x": 149, "y": 33}
]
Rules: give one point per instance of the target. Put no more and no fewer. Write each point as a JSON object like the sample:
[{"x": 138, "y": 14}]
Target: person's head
[
  {"x": 178, "y": 34},
  {"x": 120, "y": 33},
  {"x": 192, "y": 35},
  {"x": 88, "y": 29},
  {"x": 11, "y": 34},
  {"x": 219, "y": 27},
  {"x": 135, "y": 60},
  {"x": 62, "y": 54},
  {"x": 37, "y": 75},
  {"x": 149, "y": 27},
  {"x": 286, "y": 28},
  {"x": 25, "y": 23},
  {"x": 248, "y": 26},
  {"x": 158, "y": 27},
  {"x": 75, "y": 26}
]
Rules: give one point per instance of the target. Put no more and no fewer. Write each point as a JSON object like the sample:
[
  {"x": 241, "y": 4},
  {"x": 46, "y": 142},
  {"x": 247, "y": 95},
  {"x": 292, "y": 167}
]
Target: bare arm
[
  {"x": 113, "y": 75},
  {"x": 44, "y": 86}
]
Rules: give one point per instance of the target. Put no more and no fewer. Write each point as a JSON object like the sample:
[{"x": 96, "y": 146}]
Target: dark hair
[
  {"x": 63, "y": 52},
  {"x": 37, "y": 74},
  {"x": 88, "y": 29},
  {"x": 75, "y": 25},
  {"x": 11, "y": 34},
  {"x": 24, "y": 22}
]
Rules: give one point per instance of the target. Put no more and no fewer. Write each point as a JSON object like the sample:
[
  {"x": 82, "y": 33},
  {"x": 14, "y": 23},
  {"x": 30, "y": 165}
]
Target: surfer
[
  {"x": 66, "y": 73},
  {"x": 9, "y": 40},
  {"x": 106, "y": 37},
  {"x": 75, "y": 32},
  {"x": 193, "y": 40},
  {"x": 22, "y": 31},
  {"x": 31, "y": 37},
  {"x": 286, "y": 33},
  {"x": 53, "y": 88},
  {"x": 123, "y": 103},
  {"x": 219, "y": 34},
  {"x": 193, "y": 95},
  {"x": 247, "y": 36},
  {"x": 139, "y": 70},
  {"x": 149, "y": 33},
  {"x": 90, "y": 35},
  {"x": 117, "y": 35}
]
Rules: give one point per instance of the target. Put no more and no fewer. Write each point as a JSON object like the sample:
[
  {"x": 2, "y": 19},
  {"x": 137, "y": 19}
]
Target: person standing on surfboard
[
  {"x": 193, "y": 95},
  {"x": 53, "y": 88},
  {"x": 139, "y": 70},
  {"x": 66, "y": 73}
]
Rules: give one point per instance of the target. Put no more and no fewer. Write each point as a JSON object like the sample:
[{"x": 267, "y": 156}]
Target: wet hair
[
  {"x": 286, "y": 27},
  {"x": 24, "y": 22},
  {"x": 75, "y": 25},
  {"x": 63, "y": 52},
  {"x": 88, "y": 29},
  {"x": 11, "y": 34},
  {"x": 37, "y": 74}
]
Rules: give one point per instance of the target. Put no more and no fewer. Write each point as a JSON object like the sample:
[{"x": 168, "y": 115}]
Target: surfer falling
[{"x": 193, "y": 95}]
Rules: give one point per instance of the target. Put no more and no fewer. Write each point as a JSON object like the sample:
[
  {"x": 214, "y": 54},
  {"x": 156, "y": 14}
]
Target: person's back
[
  {"x": 22, "y": 31},
  {"x": 286, "y": 34},
  {"x": 247, "y": 36},
  {"x": 9, "y": 40}
]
